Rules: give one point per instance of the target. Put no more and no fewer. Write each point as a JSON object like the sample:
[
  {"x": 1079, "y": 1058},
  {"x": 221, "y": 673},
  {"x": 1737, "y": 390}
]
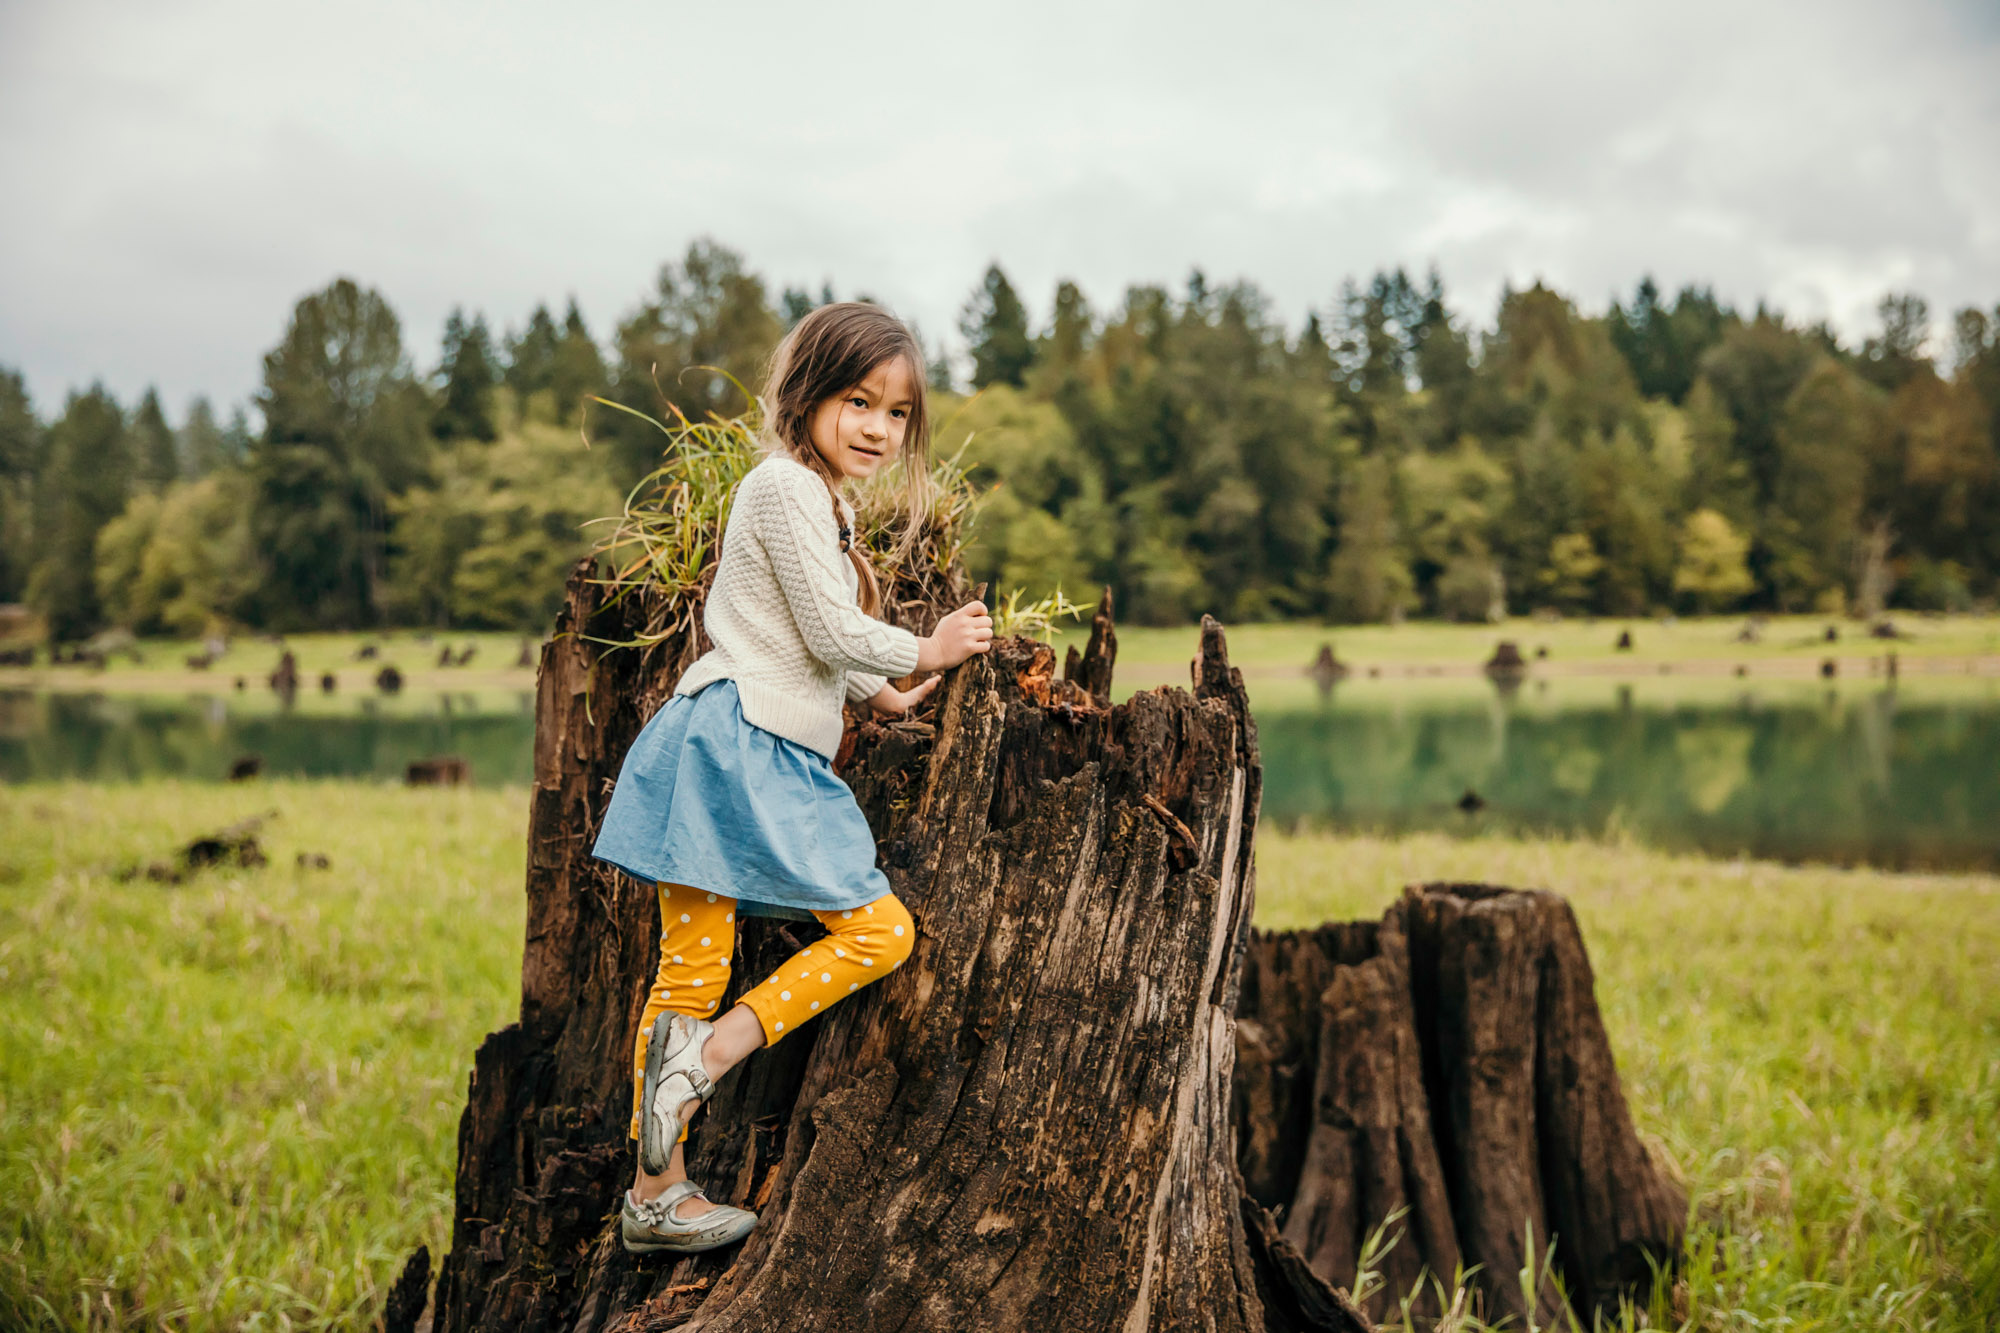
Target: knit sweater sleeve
[
  {"x": 796, "y": 528},
  {"x": 863, "y": 686}
]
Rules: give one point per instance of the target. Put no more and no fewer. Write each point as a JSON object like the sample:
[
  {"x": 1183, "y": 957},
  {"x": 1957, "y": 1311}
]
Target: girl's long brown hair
[{"x": 825, "y": 355}]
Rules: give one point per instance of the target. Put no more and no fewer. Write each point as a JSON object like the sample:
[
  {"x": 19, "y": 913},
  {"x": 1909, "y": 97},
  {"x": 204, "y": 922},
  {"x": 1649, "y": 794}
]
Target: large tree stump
[
  {"x": 1450, "y": 1061},
  {"x": 1025, "y": 1127}
]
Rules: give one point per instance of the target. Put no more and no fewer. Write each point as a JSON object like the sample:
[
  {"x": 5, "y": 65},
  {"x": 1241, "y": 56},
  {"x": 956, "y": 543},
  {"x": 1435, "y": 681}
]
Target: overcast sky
[{"x": 176, "y": 175}]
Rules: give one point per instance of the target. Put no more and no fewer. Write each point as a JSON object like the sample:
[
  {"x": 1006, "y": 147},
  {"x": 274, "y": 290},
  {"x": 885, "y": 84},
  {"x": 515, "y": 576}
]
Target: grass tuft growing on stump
[{"x": 663, "y": 545}]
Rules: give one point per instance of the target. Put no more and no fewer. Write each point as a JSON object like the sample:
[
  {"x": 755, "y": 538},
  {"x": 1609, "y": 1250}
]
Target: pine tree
[
  {"x": 578, "y": 370},
  {"x": 237, "y": 437},
  {"x": 1664, "y": 346},
  {"x": 84, "y": 485},
  {"x": 154, "y": 449},
  {"x": 1312, "y": 357},
  {"x": 466, "y": 411},
  {"x": 1753, "y": 371},
  {"x": 203, "y": 444},
  {"x": 21, "y": 462},
  {"x": 995, "y": 323},
  {"x": 531, "y": 355},
  {"x": 1442, "y": 358},
  {"x": 343, "y": 431},
  {"x": 1895, "y": 354},
  {"x": 796, "y": 304},
  {"x": 1062, "y": 351},
  {"x": 1977, "y": 348}
]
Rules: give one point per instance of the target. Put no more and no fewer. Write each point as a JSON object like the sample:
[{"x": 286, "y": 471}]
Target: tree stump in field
[
  {"x": 1026, "y": 1127},
  {"x": 1450, "y": 1061},
  {"x": 1033, "y": 1124}
]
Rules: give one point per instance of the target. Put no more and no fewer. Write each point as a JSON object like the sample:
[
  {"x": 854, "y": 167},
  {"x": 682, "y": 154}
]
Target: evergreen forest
[{"x": 1391, "y": 457}]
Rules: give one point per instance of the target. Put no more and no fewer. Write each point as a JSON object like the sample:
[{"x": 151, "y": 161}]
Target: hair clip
[{"x": 846, "y": 535}]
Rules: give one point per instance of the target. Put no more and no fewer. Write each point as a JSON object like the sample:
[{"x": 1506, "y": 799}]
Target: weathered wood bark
[
  {"x": 1448, "y": 1060},
  {"x": 1025, "y": 1127}
]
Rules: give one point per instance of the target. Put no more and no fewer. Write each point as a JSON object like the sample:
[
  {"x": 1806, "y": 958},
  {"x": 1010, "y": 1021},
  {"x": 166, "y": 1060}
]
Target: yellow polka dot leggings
[{"x": 698, "y": 936}]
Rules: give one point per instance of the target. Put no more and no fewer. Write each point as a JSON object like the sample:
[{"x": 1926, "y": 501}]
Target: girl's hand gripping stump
[{"x": 958, "y": 636}]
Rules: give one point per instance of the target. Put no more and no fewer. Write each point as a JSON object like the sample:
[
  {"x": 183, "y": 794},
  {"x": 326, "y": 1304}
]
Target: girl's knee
[{"x": 883, "y": 931}]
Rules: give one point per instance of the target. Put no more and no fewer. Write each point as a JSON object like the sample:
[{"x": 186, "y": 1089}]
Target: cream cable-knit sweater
[{"x": 783, "y": 613}]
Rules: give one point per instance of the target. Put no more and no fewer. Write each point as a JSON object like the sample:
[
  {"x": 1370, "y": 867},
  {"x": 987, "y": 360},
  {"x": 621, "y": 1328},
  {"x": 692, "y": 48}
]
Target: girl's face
[{"x": 859, "y": 431}]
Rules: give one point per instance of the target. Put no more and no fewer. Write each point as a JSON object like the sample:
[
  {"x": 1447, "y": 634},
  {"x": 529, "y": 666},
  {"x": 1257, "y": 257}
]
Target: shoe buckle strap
[{"x": 672, "y": 1212}]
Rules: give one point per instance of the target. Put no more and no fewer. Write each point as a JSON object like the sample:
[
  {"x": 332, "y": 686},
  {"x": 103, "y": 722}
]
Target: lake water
[{"x": 1908, "y": 777}]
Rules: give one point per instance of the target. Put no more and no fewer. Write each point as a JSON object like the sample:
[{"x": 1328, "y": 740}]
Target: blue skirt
[{"x": 712, "y": 801}]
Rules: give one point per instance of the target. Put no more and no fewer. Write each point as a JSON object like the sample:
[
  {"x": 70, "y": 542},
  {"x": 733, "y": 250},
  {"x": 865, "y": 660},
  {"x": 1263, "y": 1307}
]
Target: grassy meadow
[{"x": 233, "y": 1102}]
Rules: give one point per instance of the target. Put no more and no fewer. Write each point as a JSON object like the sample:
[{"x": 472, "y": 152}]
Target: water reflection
[
  {"x": 1879, "y": 778},
  {"x": 113, "y": 738},
  {"x": 1871, "y": 775}
]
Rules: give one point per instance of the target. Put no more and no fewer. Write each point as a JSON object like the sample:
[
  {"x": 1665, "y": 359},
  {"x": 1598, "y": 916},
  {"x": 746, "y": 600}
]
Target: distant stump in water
[
  {"x": 285, "y": 680},
  {"x": 1507, "y": 664},
  {"x": 1327, "y": 670}
]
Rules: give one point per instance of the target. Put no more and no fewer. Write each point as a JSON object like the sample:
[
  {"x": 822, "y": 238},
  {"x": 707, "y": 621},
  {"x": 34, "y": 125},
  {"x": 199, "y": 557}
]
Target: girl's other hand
[
  {"x": 891, "y": 701},
  {"x": 958, "y": 636}
]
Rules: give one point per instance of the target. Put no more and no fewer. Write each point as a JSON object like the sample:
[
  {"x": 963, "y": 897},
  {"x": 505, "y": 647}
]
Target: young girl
[{"x": 727, "y": 800}]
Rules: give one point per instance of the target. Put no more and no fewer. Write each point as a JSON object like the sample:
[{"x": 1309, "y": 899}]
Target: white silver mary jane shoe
[{"x": 657, "y": 1224}]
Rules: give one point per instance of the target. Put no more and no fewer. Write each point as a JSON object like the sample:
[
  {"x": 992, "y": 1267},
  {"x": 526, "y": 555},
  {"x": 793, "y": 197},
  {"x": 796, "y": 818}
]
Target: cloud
[{"x": 193, "y": 169}]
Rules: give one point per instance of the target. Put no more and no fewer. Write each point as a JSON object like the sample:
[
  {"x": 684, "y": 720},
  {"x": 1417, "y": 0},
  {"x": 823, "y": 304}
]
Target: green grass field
[{"x": 233, "y": 1102}]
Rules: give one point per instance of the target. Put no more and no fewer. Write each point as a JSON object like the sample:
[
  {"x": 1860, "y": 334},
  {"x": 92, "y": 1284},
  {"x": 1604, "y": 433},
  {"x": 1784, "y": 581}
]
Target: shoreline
[{"x": 360, "y": 684}]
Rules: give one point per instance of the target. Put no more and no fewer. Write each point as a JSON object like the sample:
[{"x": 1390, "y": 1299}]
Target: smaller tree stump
[{"x": 1448, "y": 1061}]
